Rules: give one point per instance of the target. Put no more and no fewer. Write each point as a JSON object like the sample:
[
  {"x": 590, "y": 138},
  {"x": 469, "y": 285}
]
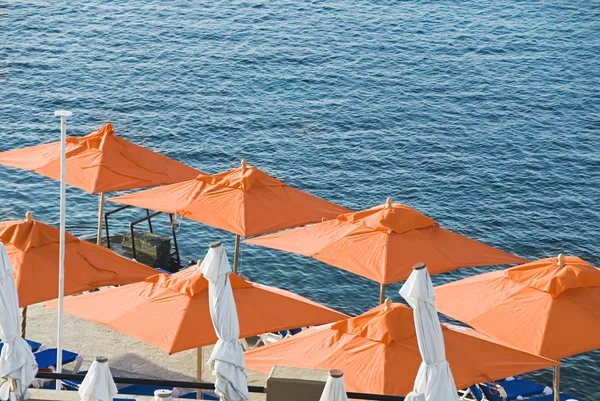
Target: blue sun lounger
[
  {"x": 492, "y": 395},
  {"x": 519, "y": 387},
  {"x": 472, "y": 392},
  {"x": 47, "y": 358},
  {"x": 33, "y": 344}
]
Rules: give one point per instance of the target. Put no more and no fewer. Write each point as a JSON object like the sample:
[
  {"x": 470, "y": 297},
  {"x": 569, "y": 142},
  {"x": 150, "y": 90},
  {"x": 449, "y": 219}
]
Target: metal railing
[
  {"x": 132, "y": 225},
  {"x": 168, "y": 384}
]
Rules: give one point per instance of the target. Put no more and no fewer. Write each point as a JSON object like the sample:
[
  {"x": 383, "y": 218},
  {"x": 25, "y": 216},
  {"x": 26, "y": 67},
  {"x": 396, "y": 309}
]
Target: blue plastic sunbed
[
  {"x": 47, "y": 358},
  {"x": 520, "y": 387},
  {"x": 291, "y": 332},
  {"x": 490, "y": 392},
  {"x": 73, "y": 385},
  {"x": 476, "y": 392},
  {"x": 33, "y": 344}
]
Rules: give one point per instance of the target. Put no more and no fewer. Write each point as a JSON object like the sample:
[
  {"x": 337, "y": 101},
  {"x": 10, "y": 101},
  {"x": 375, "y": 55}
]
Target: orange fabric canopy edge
[
  {"x": 383, "y": 244},
  {"x": 171, "y": 312},
  {"x": 378, "y": 353},
  {"x": 245, "y": 201},
  {"x": 101, "y": 162},
  {"x": 33, "y": 249},
  {"x": 540, "y": 307}
]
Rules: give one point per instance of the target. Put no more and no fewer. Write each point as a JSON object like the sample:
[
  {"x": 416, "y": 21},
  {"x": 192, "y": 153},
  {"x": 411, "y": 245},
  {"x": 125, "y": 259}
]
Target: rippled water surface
[{"x": 483, "y": 115}]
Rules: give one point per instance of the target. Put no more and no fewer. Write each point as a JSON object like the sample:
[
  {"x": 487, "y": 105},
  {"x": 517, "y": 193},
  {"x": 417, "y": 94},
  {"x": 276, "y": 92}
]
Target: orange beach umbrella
[
  {"x": 245, "y": 201},
  {"x": 171, "y": 312},
  {"x": 547, "y": 307},
  {"x": 33, "y": 247},
  {"x": 383, "y": 243},
  {"x": 100, "y": 162},
  {"x": 378, "y": 352}
]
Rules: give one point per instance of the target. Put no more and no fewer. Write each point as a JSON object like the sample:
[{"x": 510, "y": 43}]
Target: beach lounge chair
[
  {"x": 269, "y": 338},
  {"x": 35, "y": 346},
  {"x": 290, "y": 332},
  {"x": 471, "y": 393},
  {"x": 47, "y": 358},
  {"x": 493, "y": 392},
  {"x": 515, "y": 387}
]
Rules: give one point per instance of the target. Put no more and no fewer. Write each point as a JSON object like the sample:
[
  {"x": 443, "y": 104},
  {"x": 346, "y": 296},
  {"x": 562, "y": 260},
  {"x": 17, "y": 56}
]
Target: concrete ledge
[{"x": 287, "y": 383}]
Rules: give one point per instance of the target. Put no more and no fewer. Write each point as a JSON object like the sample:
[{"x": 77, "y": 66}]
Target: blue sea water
[{"x": 483, "y": 115}]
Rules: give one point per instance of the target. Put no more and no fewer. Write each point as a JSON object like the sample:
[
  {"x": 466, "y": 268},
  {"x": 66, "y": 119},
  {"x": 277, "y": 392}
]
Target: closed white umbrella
[
  {"x": 227, "y": 358},
  {"x": 434, "y": 380},
  {"x": 98, "y": 383},
  {"x": 334, "y": 388},
  {"x": 17, "y": 363}
]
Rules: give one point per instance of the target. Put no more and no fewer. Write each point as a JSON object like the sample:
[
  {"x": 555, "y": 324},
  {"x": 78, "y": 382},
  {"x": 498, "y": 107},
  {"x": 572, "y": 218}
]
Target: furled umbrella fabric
[
  {"x": 180, "y": 302},
  {"x": 378, "y": 353},
  {"x": 98, "y": 383},
  {"x": 546, "y": 307},
  {"x": 101, "y": 162},
  {"x": 227, "y": 358},
  {"x": 434, "y": 380},
  {"x": 17, "y": 363},
  {"x": 383, "y": 243},
  {"x": 334, "y": 388},
  {"x": 33, "y": 248},
  {"x": 245, "y": 201}
]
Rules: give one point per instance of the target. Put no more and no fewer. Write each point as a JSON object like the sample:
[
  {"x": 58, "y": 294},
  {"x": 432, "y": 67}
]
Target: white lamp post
[{"x": 63, "y": 114}]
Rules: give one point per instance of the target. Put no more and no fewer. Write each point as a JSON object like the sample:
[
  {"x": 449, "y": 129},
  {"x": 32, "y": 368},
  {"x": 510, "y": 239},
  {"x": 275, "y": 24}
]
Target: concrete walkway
[{"x": 127, "y": 356}]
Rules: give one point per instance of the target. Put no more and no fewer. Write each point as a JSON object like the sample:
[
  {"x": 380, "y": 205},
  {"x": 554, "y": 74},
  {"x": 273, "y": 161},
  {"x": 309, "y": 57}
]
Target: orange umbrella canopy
[
  {"x": 544, "y": 307},
  {"x": 245, "y": 201},
  {"x": 383, "y": 243},
  {"x": 33, "y": 249},
  {"x": 172, "y": 313},
  {"x": 101, "y": 162},
  {"x": 378, "y": 353}
]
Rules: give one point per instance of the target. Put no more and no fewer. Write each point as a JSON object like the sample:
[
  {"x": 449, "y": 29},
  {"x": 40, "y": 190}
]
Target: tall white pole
[{"x": 61, "y": 254}]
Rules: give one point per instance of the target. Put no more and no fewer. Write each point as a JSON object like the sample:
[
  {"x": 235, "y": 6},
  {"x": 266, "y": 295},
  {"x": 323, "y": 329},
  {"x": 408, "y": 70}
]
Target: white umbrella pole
[
  {"x": 557, "y": 382},
  {"x": 61, "y": 255},
  {"x": 236, "y": 254},
  {"x": 100, "y": 215}
]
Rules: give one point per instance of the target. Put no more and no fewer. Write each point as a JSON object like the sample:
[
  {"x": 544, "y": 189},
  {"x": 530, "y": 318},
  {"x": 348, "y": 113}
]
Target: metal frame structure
[{"x": 132, "y": 225}]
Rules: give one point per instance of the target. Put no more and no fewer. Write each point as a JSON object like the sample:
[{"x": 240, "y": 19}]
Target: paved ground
[{"x": 127, "y": 356}]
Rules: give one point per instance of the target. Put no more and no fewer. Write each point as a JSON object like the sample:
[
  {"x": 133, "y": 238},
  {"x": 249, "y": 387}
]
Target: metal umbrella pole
[
  {"x": 236, "y": 255},
  {"x": 63, "y": 114},
  {"x": 557, "y": 382},
  {"x": 100, "y": 217}
]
